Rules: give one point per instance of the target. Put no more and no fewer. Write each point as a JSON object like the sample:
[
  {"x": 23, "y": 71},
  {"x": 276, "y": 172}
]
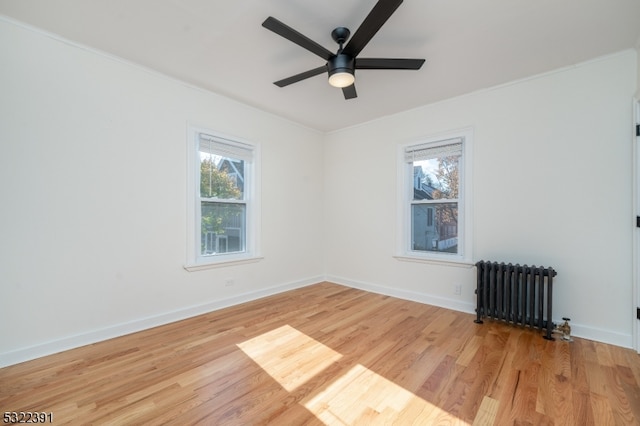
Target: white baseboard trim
[
  {"x": 117, "y": 330},
  {"x": 600, "y": 335},
  {"x": 577, "y": 330},
  {"x": 425, "y": 298}
]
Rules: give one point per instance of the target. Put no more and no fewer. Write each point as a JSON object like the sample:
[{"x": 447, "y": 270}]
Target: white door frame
[{"x": 636, "y": 232}]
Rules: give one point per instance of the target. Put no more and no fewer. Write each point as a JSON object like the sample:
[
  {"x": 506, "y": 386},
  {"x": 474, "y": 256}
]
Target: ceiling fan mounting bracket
[{"x": 340, "y": 35}]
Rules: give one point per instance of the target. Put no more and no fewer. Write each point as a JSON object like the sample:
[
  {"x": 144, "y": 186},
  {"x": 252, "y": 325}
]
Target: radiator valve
[{"x": 565, "y": 330}]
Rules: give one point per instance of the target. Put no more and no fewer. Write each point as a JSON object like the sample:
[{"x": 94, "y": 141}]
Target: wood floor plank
[
  {"x": 487, "y": 412},
  {"x": 602, "y": 410},
  {"x": 328, "y": 354}
]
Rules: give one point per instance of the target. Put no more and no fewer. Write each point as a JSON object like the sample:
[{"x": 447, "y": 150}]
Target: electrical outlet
[
  {"x": 229, "y": 282},
  {"x": 457, "y": 289}
]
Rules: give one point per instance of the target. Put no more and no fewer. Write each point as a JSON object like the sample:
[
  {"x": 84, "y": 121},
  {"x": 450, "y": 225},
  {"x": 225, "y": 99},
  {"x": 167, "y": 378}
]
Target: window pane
[
  {"x": 437, "y": 178},
  {"x": 434, "y": 227},
  {"x": 221, "y": 177},
  {"x": 223, "y": 228}
]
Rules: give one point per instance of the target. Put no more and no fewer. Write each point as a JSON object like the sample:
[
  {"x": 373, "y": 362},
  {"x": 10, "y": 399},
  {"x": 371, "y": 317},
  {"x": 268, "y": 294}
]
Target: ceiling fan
[{"x": 341, "y": 66}]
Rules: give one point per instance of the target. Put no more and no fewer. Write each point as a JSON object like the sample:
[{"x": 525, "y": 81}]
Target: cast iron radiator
[{"x": 516, "y": 294}]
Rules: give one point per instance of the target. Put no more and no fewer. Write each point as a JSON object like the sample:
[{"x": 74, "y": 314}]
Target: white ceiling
[{"x": 221, "y": 46}]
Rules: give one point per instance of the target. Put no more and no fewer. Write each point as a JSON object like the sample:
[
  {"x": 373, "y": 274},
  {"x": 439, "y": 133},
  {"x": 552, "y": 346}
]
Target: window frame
[
  {"x": 404, "y": 249},
  {"x": 251, "y": 199}
]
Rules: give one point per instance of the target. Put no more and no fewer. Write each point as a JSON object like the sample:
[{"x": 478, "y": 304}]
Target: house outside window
[
  {"x": 223, "y": 205},
  {"x": 434, "y": 222}
]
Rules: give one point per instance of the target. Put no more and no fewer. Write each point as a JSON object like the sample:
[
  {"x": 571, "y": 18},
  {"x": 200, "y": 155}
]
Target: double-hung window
[
  {"x": 223, "y": 201},
  {"x": 435, "y": 191}
]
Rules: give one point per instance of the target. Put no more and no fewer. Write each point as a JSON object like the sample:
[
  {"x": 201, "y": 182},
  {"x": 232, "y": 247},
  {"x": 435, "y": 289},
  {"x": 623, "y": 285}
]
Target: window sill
[
  {"x": 193, "y": 267},
  {"x": 459, "y": 263}
]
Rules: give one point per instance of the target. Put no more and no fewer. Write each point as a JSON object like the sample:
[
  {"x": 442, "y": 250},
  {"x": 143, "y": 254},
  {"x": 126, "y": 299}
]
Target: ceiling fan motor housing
[
  {"x": 341, "y": 63},
  {"x": 341, "y": 69}
]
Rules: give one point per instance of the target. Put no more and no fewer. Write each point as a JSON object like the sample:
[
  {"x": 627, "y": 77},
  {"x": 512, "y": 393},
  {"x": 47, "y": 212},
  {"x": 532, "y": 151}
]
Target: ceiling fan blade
[
  {"x": 388, "y": 64},
  {"x": 299, "y": 77},
  {"x": 290, "y": 34},
  {"x": 350, "y": 92},
  {"x": 370, "y": 26}
]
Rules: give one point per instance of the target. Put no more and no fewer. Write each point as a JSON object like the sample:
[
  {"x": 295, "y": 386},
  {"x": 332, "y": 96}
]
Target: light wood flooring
[{"x": 328, "y": 354}]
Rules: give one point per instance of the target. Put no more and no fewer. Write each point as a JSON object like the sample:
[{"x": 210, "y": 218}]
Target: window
[
  {"x": 223, "y": 205},
  {"x": 433, "y": 212}
]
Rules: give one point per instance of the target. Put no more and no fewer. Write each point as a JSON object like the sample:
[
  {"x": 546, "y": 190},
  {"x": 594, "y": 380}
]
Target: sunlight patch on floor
[
  {"x": 362, "y": 396},
  {"x": 359, "y": 396},
  {"x": 289, "y": 356}
]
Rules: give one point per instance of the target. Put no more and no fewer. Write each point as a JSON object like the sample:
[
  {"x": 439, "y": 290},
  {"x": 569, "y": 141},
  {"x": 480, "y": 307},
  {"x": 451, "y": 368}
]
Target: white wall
[
  {"x": 93, "y": 198},
  {"x": 552, "y": 173}
]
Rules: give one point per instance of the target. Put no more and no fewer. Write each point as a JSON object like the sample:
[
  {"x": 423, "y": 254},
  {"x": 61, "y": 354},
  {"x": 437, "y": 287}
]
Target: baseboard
[
  {"x": 600, "y": 335},
  {"x": 425, "y": 298},
  {"x": 577, "y": 330},
  {"x": 95, "y": 336}
]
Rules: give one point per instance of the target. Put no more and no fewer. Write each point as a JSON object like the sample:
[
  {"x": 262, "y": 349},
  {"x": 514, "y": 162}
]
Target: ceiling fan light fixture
[
  {"x": 341, "y": 71},
  {"x": 341, "y": 78}
]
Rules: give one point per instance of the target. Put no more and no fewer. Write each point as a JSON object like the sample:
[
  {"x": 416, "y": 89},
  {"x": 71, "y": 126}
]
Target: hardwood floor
[{"x": 328, "y": 354}]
